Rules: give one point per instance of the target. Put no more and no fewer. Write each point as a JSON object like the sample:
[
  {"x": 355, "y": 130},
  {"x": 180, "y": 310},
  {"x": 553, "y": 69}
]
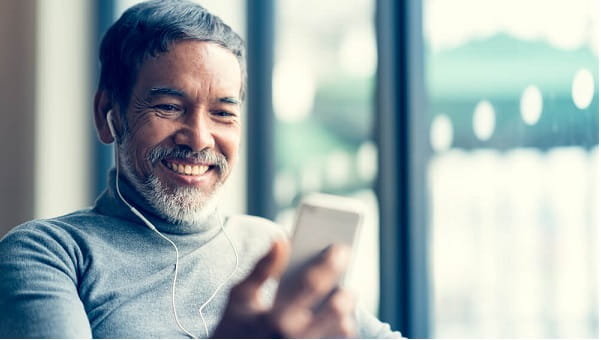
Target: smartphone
[{"x": 323, "y": 220}]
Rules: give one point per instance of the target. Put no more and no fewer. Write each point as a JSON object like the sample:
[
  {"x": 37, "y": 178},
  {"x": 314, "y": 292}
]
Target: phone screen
[{"x": 317, "y": 228}]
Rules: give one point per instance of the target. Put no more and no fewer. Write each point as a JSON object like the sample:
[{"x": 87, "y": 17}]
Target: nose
[{"x": 196, "y": 132}]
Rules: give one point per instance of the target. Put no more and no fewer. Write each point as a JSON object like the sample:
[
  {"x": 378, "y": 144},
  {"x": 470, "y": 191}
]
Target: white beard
[
  {"x": 183, "y": 205},
  {"x": 179, "y": 205}
]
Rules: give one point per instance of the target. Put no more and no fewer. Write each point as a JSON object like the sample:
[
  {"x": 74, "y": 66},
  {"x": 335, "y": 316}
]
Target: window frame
[
  {"x": 260, "y": 31},
  {"x": 401, "y": 183}
]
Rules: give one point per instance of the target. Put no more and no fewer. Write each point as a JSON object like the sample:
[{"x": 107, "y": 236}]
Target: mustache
[{"x": 184, "y": 153}]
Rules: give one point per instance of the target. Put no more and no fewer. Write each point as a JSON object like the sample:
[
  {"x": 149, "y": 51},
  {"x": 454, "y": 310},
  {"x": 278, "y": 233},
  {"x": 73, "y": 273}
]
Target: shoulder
[
  {"x": 253, "y": 235},
  {"x": 44, "y": 239},
  {"x": 57, "y": 228},
  {"x": 252, "y": 224},
  {"x": 39, "y": 262},
  {"x": 36, "y": 232},
  {"x": 369, "y": 327},
  {"x": 38, "y": 249}
]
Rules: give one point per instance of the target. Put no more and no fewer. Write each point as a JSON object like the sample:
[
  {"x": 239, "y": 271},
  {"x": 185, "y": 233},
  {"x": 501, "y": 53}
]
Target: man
[{"x": 153, "y": 257}]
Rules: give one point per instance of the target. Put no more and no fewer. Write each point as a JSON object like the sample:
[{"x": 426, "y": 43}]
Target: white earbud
[{"x": 109, "y": 121}]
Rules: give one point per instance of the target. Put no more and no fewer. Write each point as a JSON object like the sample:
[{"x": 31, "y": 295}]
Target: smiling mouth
[{"x": 187, "y": 169}]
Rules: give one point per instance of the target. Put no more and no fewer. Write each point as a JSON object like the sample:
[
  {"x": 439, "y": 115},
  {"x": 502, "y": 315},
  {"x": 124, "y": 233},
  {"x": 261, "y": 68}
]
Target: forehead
[{"x": 192, "y": 66}]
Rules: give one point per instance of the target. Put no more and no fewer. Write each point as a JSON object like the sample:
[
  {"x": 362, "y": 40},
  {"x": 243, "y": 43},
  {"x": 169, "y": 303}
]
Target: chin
[
  {"x": 181, "y": 204},
  {"x": 178, "y": 204}
]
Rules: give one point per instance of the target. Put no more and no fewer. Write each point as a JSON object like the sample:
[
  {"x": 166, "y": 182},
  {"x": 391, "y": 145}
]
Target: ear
[{"x": 103, "y": 103}]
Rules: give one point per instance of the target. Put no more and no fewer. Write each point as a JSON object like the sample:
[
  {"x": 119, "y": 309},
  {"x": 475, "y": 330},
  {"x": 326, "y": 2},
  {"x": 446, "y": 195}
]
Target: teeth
[{"x": 193, "y": 170}]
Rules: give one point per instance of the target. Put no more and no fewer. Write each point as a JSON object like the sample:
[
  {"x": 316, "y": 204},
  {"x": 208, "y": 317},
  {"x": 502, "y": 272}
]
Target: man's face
[{"x": 183, "y": 128}]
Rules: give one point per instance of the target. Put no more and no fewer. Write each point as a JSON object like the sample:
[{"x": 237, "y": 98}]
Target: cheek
[
  {"x": 145, "y": 138},
  {"x": 138, "y": 148},
  {"x": 153, "y": 131},
  {"x": 231, "y": 144}
]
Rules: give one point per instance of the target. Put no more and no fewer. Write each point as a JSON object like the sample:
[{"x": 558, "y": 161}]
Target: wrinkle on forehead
[{"x": 194, "y": 67}]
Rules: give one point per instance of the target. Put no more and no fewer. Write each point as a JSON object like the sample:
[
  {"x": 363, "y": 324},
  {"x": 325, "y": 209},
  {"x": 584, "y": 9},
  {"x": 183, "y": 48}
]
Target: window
[
  {"x": 325, "y": 61},
  {"x": 513, "y": 114}
]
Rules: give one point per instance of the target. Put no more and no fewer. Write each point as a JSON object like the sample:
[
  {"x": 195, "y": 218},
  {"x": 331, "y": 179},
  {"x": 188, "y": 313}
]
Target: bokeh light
[
  {"x": 583, "y": 88},
  {"x": 367, "y": 161},
  {"x": 293, "y": 90},
  {"x": 441, "y": 133},
  {"x": 531, "y": 105},
  {"x": 484, "y": 120},
  {"x": 357, "y": 54}
]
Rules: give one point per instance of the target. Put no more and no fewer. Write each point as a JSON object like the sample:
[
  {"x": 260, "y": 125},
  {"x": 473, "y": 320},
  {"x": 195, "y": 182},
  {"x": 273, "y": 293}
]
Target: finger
[
  {"x": 271, "y": 265},
  {"x": 335, "y": 318},
  {"x": 290, "y": 323},
  {"x": 311, "y": 285}
]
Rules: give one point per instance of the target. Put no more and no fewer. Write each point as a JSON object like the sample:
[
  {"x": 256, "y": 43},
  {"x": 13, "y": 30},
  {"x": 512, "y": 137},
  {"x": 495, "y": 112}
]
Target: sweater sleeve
[
  {"x": 369, "y": 327},
  {"x": 38, "y": 285}
]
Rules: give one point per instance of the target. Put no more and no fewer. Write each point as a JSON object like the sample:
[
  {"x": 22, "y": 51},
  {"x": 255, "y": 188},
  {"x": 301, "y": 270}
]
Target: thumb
[{"x": 269, "y": 266}]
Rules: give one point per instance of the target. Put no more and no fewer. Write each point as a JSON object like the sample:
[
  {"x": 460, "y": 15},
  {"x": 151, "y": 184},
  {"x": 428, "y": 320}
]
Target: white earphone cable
[{"x": 222, "y": 283}]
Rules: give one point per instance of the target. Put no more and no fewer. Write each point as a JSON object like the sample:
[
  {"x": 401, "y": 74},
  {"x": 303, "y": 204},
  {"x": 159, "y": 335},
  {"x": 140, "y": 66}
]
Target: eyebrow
[
  {"x": 229, "y": 100},
  {"x": 168, "y": 91},
  {"x": 157, "y": 91}
]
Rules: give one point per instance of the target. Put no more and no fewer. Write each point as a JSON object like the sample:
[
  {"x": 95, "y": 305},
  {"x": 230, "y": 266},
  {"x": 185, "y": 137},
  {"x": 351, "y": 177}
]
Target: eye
[
  {"x": 223, "y": 114},
  {"x": 224, "y": 117},
  {"x": 167, "y": 107}
]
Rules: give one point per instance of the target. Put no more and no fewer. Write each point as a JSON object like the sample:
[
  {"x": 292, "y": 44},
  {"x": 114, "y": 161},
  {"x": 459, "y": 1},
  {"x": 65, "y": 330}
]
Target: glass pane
[
  {"x": 514, "y": 137},
  {"x": 323, "y": 83}
]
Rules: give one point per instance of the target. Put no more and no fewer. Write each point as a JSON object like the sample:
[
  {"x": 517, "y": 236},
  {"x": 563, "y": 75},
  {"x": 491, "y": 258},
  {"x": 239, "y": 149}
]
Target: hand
[{"x": 308, "y": 305}]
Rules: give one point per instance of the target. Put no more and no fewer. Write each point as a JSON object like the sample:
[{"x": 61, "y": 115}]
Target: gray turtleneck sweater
[{"x": 100, "y": 272}]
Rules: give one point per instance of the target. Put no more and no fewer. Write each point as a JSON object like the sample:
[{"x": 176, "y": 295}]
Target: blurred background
[{"x": 470, "y": 129}]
